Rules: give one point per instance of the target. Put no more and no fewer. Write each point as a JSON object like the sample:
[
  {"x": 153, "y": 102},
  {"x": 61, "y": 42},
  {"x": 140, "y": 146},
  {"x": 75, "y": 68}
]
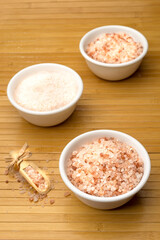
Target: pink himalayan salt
[
  {"x": 66, "y": 194},
  {"x": 105, "y": 168},
  {"x": 36, "y": 177},
  {"x": 52, "y": 201},
  {"x": 46, "y": 91},
  {"x": 114, "y": 48}
]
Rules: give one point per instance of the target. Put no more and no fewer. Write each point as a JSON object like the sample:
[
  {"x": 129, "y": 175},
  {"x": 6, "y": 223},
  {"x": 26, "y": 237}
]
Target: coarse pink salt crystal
[
  {"x": 66, "y": 194},
  {"x": 114, "y": 48},
  {"x": 52, "y": 201},
  {"x": 36, "y": 177},
  {"x": 105, "y": 168},
  {"x": 46, "y": 91}
]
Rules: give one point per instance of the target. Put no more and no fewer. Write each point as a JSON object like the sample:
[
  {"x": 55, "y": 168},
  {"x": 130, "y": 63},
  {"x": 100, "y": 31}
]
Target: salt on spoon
[{"x": 29, "y": 170}]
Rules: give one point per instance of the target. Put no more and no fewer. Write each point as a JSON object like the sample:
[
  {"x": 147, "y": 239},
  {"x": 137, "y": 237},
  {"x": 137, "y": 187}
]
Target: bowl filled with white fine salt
[{"x": 45, "y": 94}]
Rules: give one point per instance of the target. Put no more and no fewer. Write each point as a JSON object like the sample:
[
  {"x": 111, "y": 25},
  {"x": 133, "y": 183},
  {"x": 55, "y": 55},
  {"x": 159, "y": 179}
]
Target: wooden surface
[{"x": 37, "y": 31}]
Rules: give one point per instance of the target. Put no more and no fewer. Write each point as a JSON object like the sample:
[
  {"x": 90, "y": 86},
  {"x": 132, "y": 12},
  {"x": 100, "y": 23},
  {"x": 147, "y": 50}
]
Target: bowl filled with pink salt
[
  {"x": 113, "y": 52},
  {"x": 45, "y": 94},
  {"x": 104, "y": 168}
]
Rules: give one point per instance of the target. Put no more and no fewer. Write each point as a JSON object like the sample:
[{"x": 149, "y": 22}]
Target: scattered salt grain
[
  {"x": 31, "y": 199},
  {"x": 45, "y": 168},
  {"x": 52, "y": 201},
  {"x": 22, "y": 191},
  {"x": 36, "y": 198},
  {"x": 66, "y": 194},
  {"x": 6, "y": 172}
]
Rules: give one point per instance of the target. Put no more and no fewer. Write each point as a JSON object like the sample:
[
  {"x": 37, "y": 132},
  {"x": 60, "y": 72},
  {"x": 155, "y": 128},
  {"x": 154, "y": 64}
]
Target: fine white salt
[{"x": 46, "y": 91}]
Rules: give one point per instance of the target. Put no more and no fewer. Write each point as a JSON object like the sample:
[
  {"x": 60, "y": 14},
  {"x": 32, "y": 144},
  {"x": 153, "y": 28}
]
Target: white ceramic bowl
[
  {"x": 108, "y": 71},
  {"x": 103, "y": 202},
  {"x": 49, "y": 118}
]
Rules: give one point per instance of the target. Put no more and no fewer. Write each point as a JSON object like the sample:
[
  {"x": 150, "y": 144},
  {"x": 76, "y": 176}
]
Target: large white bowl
[
  {"x": 49, "y": 118},
  {"x": 103, "y": 202},
  {"x": 108, "y": 71}
]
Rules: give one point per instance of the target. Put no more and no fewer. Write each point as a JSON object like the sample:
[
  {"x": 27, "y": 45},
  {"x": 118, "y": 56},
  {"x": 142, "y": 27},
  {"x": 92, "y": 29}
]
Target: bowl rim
[
  {"x": 96, "y": 198},
  {"x": 32, "y": 112},
  {"x": 112, "y": 65}
]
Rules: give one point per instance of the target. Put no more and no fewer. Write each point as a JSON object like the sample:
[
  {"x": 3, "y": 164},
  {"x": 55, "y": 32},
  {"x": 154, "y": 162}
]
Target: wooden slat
[{"x": 48, "y": 235}]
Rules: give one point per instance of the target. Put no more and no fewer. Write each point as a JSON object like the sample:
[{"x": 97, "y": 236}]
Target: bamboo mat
[{"x": 37, "y": 31}]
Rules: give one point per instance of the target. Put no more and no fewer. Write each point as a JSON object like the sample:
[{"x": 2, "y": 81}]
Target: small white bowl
[
  {"x": 113, "y": 71},
  {"x": 103, "y": 202},
  {"x": 50, "y": 118}
]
